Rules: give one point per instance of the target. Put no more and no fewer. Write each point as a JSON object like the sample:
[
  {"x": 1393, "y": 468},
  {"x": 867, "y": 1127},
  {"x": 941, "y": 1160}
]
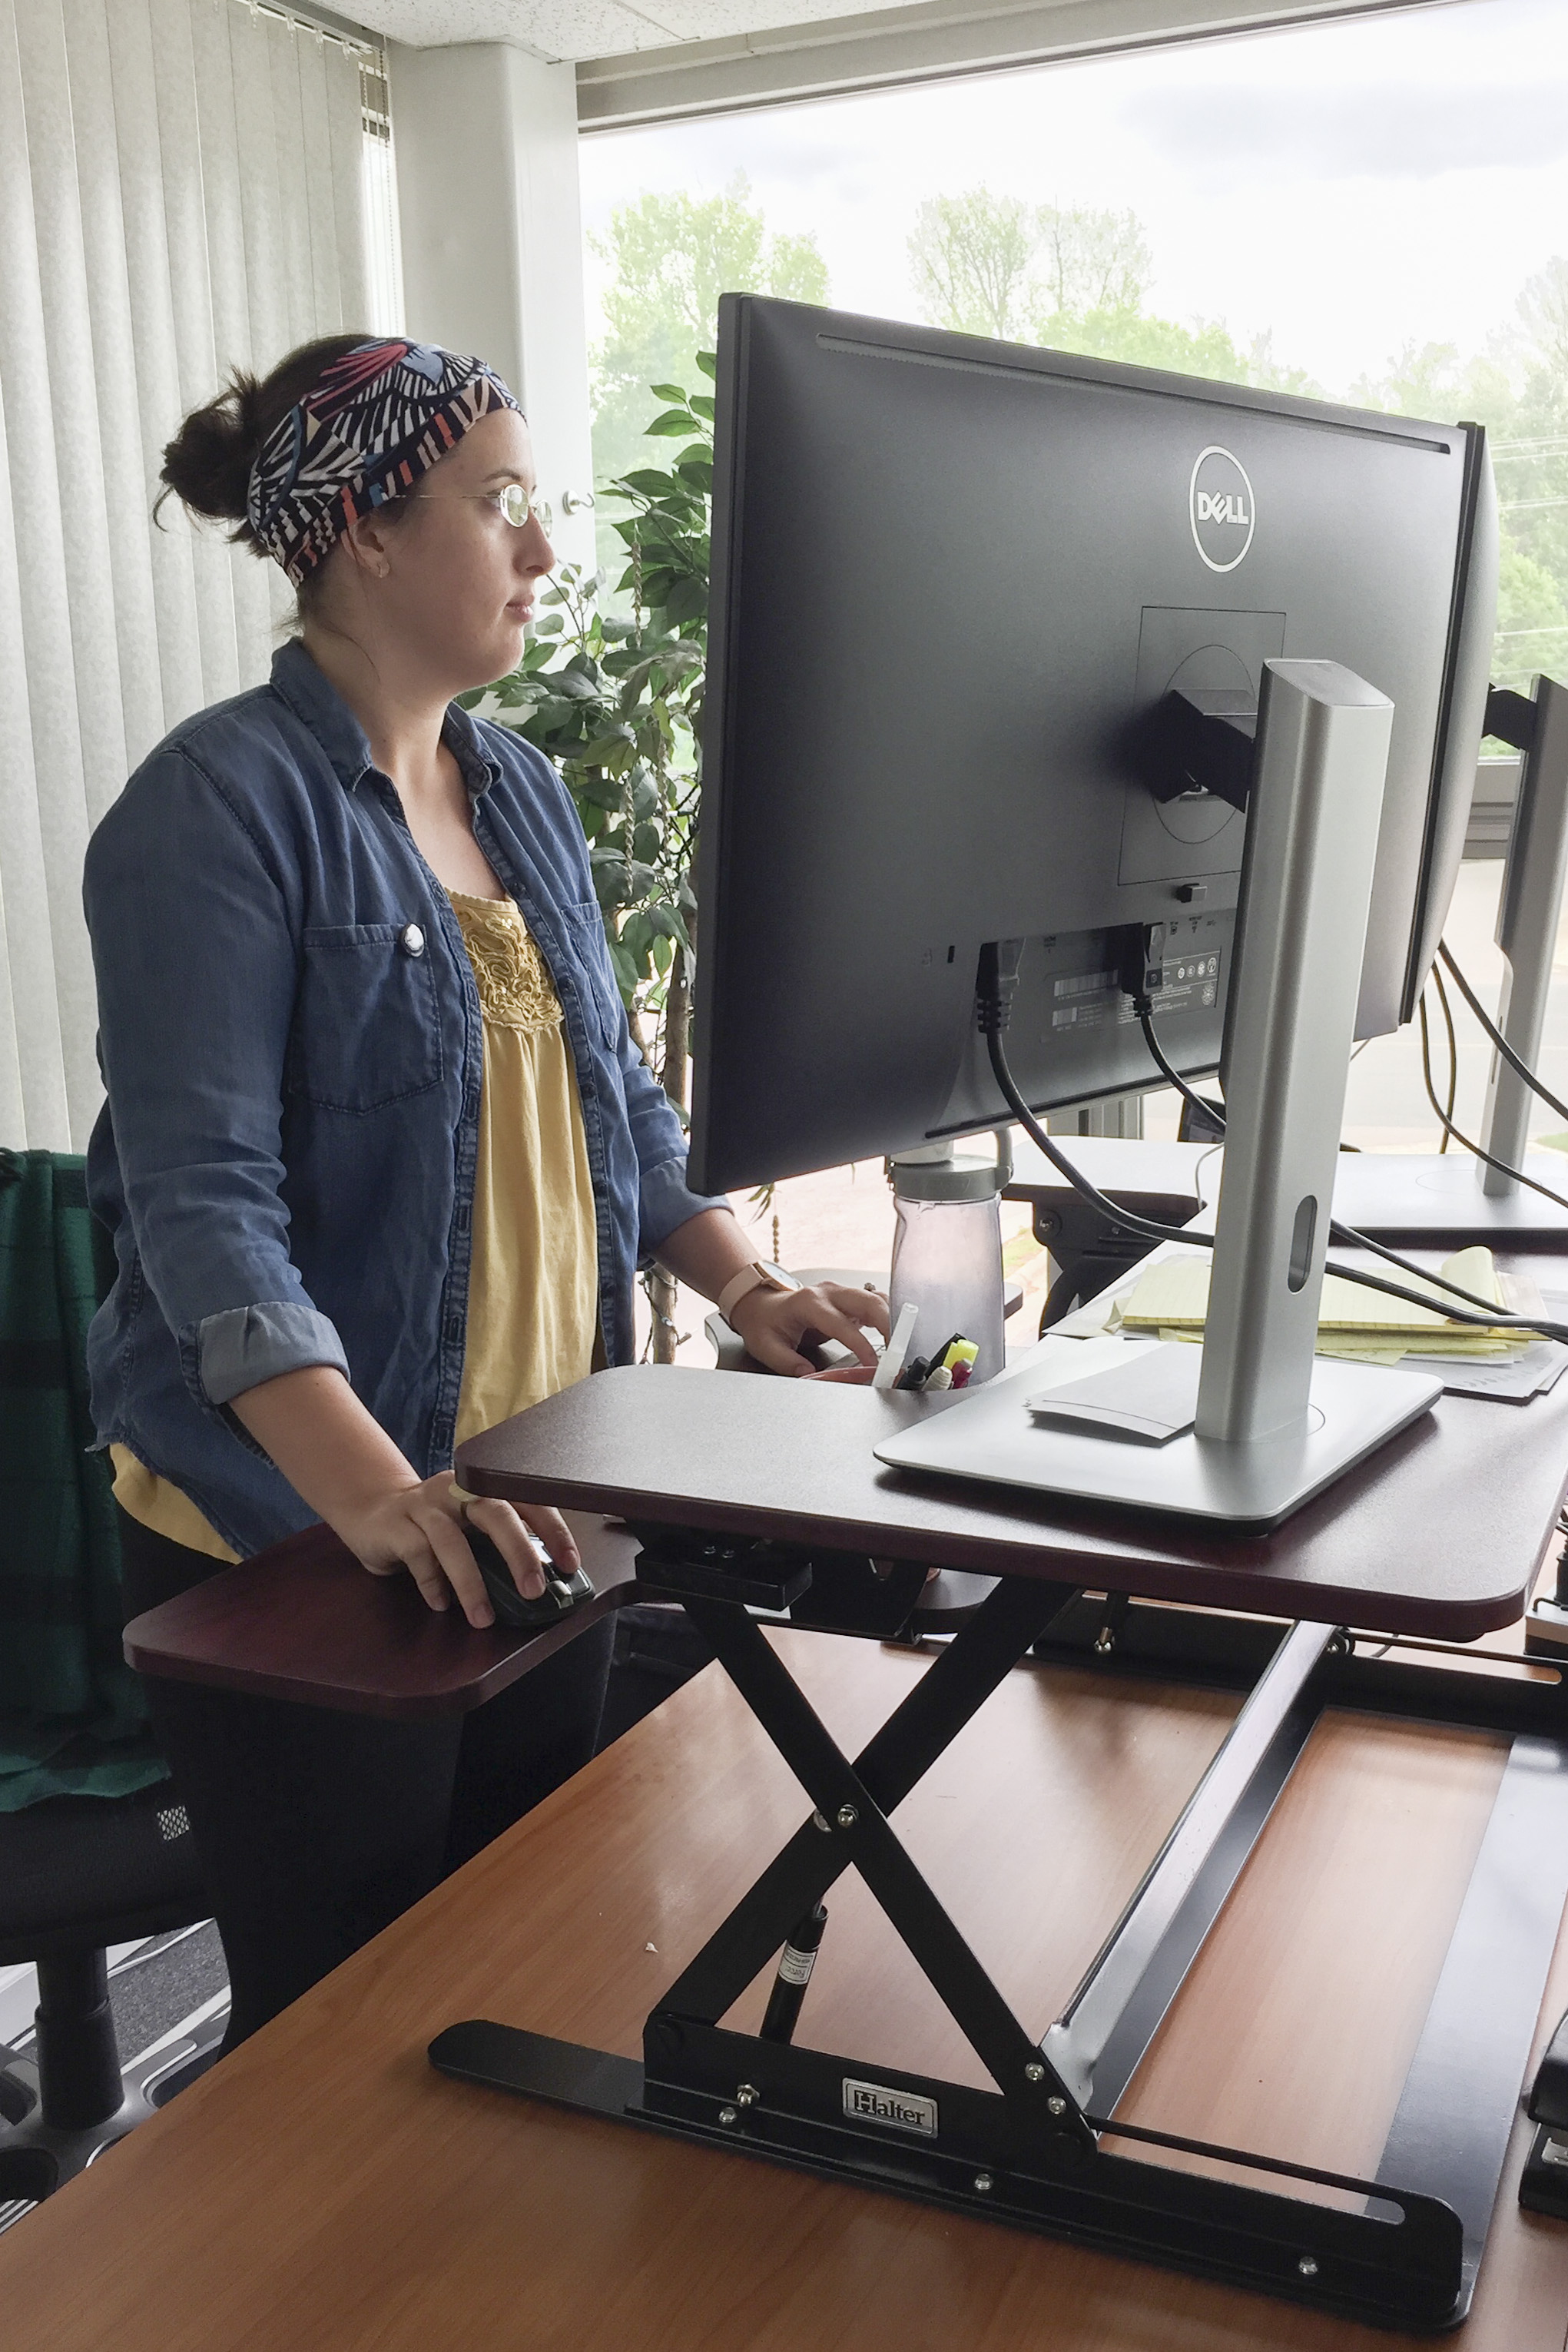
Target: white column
[{"x": 485, "y": 141}]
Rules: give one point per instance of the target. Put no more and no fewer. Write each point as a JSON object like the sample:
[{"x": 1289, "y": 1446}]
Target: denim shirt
[{"x": 291, "y": 1039}]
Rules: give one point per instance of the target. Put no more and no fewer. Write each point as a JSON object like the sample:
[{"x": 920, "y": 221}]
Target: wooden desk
[{"x": 323, "y": 2190}]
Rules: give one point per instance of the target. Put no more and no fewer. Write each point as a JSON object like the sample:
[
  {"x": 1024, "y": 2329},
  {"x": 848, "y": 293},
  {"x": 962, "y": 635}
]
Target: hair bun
[{"x": 207, "y": 464}]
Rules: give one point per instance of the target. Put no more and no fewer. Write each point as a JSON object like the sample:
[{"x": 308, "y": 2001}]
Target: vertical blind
[{"x": 181, "y": 191}]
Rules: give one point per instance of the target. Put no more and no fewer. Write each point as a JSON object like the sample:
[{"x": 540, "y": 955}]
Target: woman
[{"x": 378, "y": 1156}]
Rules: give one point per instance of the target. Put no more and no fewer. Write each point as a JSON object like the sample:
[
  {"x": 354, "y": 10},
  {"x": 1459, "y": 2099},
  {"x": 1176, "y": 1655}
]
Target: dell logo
[
  {"x": 877, "y": 2103},
  {"x": 1221, "y": 508}
]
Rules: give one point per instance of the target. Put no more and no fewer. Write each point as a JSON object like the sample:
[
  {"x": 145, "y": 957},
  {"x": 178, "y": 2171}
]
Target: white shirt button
[{"x": 411, "y": 939}]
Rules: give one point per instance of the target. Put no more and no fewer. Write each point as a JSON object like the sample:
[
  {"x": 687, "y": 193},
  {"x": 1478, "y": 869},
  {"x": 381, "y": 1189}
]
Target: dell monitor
[{"x": 960, "y": 590}]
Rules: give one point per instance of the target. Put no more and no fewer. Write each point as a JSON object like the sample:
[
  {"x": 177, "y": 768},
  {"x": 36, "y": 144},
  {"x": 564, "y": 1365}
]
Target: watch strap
[{"x": 756, "y": 1276}]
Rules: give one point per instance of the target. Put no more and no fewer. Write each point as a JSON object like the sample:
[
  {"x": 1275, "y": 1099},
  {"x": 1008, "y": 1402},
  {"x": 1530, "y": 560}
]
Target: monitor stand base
[
  {"x": 994, "y": 1438},
  {"x": 1430, "y": 1196}
]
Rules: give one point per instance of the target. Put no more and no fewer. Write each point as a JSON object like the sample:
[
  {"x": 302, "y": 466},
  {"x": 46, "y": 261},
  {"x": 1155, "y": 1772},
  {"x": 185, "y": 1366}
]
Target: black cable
[
  {"x": 1449, "y": 1128},
  {"x": 1126, "y": 1220},
  {"x": 1143, "y": 1007},
  {"x": 1499, "y": 1040},
  {"x": 1346, "y": 1235},
  {"x": 1453, "y": 1056}
]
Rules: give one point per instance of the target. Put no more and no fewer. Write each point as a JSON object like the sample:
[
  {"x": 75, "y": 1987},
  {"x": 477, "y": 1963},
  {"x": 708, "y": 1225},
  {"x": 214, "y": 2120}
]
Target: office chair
[{"x": 76, "y": 1874}]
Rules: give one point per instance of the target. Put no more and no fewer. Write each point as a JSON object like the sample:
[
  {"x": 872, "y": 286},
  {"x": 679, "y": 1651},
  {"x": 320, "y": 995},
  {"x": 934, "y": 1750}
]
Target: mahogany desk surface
[
  {"x": 324, "y": 2190},
  {"x": 1440, "y": 1533},
  {"x": 303, "y": 1621}
]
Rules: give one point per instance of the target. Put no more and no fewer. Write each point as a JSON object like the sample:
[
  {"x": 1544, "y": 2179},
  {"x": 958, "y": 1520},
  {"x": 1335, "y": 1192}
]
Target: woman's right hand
[
  {"x": 421, "y": 1527},
  {"x": 347, "y": 1468}
]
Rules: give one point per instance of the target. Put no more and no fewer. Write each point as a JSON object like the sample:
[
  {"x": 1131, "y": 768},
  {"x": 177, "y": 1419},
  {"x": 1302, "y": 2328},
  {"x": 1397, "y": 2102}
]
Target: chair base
[{"x": 37, "y": 2157}]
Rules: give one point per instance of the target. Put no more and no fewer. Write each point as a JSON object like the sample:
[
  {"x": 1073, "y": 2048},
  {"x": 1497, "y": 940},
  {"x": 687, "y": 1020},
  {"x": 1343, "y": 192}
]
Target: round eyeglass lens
[{"x": 518, "y": 504}]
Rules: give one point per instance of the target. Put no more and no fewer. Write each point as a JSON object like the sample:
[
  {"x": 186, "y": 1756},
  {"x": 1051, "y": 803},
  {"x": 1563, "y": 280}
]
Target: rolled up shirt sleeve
[{"x": 194, "y": 942}]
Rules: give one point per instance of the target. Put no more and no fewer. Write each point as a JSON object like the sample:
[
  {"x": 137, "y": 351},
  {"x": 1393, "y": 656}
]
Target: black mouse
[{"x": 559, "y": 1598}]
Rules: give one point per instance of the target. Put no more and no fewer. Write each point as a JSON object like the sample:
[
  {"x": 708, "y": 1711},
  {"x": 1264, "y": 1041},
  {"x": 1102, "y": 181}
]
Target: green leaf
[
  {"x": 709, "y": 363},
  {"x": 648, "y": 483},
  {"x": 703, "y": 405},
  {"x": 626, "y": 972},
  {"x": 605, "y": 748},
  {"x": 668, "y": 390},
  {"x": 551, "y": 626},
  {"x": 666, "y": 923},
  {"x": 686, "y": 600},
  {"x": 674, "y": 420}
]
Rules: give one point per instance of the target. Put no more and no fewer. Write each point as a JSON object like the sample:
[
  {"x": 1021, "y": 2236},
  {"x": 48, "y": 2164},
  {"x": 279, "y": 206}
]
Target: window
[{"x": 1376, "y": 210}]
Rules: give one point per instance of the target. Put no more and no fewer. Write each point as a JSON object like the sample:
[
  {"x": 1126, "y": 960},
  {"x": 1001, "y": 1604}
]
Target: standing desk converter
[
  {"x": 1436, "y": 1540},
  {"x": 1439, "y": 1537}
]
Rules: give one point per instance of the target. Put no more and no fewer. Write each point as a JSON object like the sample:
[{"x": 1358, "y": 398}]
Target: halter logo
[
  {"x": 875, "y": 2103},
  {"x": 1221, "y": 508}
]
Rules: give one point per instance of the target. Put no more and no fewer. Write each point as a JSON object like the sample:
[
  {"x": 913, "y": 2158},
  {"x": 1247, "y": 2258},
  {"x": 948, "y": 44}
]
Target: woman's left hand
[{"x": 774, "y": 1323}]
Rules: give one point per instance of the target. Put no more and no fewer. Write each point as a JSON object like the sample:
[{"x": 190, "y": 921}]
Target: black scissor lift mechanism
[{"x": 1041, "y": 2150}]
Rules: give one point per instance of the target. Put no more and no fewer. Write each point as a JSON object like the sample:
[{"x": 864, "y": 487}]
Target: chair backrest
[{"x": 73, "y": 1719}]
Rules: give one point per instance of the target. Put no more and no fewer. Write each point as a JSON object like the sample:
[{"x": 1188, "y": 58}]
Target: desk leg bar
[
  {"x": 861, "y": 1831},
  {"x": 949, "y": 1693},
  {"x": 1097, "y": 2043},
  {"x": 1450, "y": 2133}
]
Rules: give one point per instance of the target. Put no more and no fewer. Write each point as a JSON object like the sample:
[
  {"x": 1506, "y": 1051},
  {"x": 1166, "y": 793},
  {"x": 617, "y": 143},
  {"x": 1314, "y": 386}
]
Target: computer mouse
[{"x": 560, "y": 1596}]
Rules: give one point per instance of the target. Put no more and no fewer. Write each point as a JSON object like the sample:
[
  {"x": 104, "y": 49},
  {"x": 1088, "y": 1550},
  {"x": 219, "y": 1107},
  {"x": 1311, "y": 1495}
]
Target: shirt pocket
[
  {"x": 367, "y": 1020},
  {"x": 585, "y": 937}
]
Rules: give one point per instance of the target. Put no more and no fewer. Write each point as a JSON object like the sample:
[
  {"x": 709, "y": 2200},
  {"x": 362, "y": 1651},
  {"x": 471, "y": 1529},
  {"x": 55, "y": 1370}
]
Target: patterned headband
[{"x": 375, "y": 420}]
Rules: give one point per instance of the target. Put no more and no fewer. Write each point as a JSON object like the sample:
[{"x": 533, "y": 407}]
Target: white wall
[{"x": 485, "y": 141}]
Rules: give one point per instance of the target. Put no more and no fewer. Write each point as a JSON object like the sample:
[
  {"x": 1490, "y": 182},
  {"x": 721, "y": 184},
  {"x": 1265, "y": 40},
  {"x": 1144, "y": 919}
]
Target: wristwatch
[{"x": 755, "y": 1276}]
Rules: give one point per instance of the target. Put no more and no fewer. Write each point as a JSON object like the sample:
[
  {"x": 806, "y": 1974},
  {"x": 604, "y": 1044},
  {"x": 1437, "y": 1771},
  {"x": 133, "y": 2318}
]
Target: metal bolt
[
  {"x": 1056, "y": 2106},
  {"x": 728, "y": 2115},
  {"x": 747, "y": 2096},
  {"x": 848, "y": 1817},
  {"x": 819, "y": 1821},
  {"x": 982, "y": 2184},
  {"x": 1104, "y": 1642},
  {"x": 1307, "y": 2265},
  {"x": 1034, "y": 2071}
]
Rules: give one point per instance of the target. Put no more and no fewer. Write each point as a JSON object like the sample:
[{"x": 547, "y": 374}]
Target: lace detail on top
[{"x": 510, "y": 974}]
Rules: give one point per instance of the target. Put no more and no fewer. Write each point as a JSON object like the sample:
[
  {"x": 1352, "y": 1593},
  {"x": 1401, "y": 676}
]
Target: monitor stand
[
  {"x": 1268, "y": 1424},
  {"x": 1439, "y": 1198},
  {"x": 1449, "y": 1196}
]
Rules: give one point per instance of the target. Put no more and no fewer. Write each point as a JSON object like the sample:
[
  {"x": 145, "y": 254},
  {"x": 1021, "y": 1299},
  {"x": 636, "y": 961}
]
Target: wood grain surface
[
  {"x": 1441, "y": 1532},
  {"x": 323, "y": 2190}
]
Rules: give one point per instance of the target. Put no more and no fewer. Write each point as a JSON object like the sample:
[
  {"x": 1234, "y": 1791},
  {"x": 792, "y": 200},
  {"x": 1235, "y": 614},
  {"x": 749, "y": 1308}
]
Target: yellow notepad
[{"x": 1172, "y": 1299}]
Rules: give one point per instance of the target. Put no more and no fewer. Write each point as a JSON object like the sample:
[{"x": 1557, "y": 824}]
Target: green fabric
[{"x": 73, "y": 1719}]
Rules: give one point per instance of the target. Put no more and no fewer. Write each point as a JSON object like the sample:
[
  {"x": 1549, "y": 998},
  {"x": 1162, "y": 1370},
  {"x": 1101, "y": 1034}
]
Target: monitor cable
[
  {"x": 1346, "y": 1235},
  {"x": 1443, "y": 1116},
  {"x": 1522, "y": 1068},
  {"x": 996, "y": 984}
]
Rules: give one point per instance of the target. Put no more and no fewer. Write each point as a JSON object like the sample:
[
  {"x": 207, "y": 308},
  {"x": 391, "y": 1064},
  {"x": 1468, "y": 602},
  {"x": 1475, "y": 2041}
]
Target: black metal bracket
[
  {"x": 1510, "y": 717},
  {"x": 1043, "y": 2150}
]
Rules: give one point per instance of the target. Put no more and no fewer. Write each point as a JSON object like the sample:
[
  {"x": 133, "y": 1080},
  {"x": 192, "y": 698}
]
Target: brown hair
[{"x": 207, "y": 464}]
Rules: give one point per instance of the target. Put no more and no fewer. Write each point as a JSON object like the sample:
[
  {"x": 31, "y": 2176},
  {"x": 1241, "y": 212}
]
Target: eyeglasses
[{"x": 517, "y": 506}]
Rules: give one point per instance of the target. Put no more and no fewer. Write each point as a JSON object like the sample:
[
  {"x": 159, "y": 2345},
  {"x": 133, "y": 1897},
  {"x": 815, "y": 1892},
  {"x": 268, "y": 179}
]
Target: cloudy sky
[{"x": 1351, "y": 187}]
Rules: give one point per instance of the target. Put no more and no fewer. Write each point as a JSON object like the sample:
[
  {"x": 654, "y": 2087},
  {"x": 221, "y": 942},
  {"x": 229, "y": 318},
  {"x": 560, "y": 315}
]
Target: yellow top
[{"x": 533, "y": 1287}]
